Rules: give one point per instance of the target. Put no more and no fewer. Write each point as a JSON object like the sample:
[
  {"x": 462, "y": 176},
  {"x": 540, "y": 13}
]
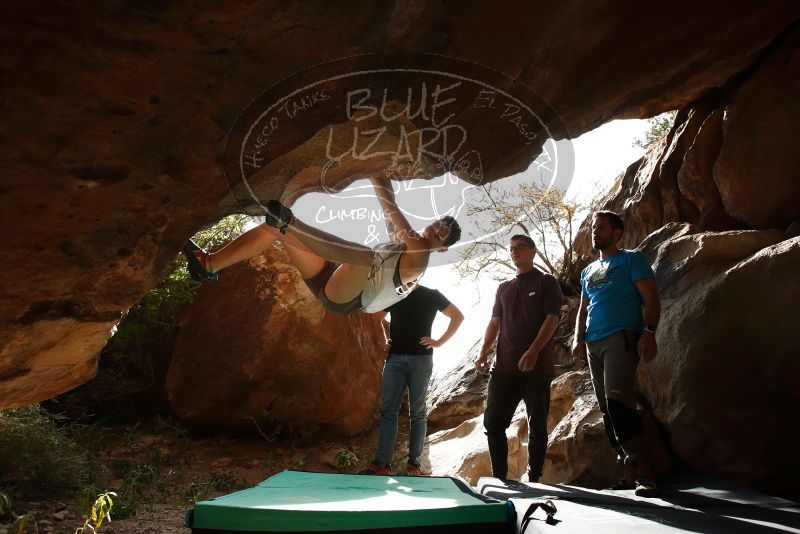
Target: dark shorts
[{"x": 317, "y": 286}]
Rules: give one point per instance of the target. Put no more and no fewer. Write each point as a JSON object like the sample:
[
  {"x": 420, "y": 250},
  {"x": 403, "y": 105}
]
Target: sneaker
[
  {"x": 646, "y": 488},
  {"x": 375, "y": 468},
  {"x": 278, "y": 216},
  {"x": 413, "y": 470}
]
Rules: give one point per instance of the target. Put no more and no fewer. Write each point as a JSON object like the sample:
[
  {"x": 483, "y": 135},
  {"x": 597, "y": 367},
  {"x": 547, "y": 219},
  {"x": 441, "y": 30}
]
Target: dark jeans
[{"x": 505, "y": 392}]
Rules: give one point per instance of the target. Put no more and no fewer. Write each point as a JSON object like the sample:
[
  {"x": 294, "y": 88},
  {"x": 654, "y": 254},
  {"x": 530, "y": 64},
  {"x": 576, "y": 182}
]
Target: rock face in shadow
[
  {"x": 727, "y": 365},
  {"x": 724, "y": 382},
  {"x": 757, "y": 167},
  {"x": 115, "y": 121},
  {"x": 728, "y": 162},
  {"x": 257, "y": 347},
  {"x": 727, "y": 369}
]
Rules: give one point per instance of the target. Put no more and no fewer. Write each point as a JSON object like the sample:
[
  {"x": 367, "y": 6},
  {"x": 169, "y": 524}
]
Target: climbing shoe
[
  {"x": 278, "y": 216},
  {"x": 197, "y": 270}
]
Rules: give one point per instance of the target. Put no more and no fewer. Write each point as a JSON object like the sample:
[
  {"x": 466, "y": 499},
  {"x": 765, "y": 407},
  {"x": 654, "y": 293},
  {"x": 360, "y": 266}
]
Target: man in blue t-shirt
[
  {"x": 611, "y": 328},
  {"x": 409, "y": 364}
]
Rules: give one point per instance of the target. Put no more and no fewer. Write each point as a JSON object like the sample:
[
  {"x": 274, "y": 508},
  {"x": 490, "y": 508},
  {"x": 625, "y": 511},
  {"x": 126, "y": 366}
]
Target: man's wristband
[{"x": 650, "y": 328}]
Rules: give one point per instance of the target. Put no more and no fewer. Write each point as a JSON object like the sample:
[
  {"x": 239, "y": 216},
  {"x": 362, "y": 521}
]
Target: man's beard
[{"x": 599, "y": 244}]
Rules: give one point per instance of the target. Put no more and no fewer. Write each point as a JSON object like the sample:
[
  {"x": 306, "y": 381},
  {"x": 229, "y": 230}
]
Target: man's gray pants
[{"x": 612, "y": 363}]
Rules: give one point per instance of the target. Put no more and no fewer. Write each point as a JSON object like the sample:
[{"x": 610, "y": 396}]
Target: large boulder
[
  {"x": 115, "y": 117},
  {"x": 256, "y": 348},
  {"x": 757, "y": 167},
  {"x": 460, "y": 394},
  {"x": 727, "y": 162},
  {"x": 578, "y": 451},
  {"x": 725, "y": 380},
  {"x": 463, "y": 451}
]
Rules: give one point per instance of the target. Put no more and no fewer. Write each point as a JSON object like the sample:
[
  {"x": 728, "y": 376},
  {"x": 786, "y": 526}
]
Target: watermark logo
[{"x": 435, "y": 127}]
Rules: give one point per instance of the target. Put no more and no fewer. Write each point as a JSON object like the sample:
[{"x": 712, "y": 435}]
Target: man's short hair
[
  {"x": 613, "y": 218},
  {"x": 453, "y": 231},
  {"x": 523, "y": 237}
]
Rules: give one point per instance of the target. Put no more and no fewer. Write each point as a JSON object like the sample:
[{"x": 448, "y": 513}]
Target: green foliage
[
  {"x": 139, "y": 478},
  {"x": 142, "y": 481},
  {"x": 658, "y": 127},
  {"x": 131, "y": 438},
  {"x": 38, "y": 454},
  {"x": 156, "y": 477},
  {"x": 222, "y": 232},
  {"x": 216, "y": 482},
  {"x": 172, "y": 427},
  {"x": 134, "y": 363},
  {"x": 346, "y": 460}
]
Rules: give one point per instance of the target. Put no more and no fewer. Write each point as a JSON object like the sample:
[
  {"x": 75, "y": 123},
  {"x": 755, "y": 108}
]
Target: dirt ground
[{"x": 188, "y": 463}]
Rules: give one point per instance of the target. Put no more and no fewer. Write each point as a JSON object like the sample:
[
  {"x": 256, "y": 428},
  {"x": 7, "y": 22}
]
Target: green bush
[
  {"x": 215, "y": 483},
  {"x": 40, "y": 455},
  {"x": 657, "y": 127},
  {"x": 346, "y": 460}
]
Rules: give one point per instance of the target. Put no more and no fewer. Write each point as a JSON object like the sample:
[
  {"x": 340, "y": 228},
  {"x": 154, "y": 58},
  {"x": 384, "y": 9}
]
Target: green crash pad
[{"x": 297, "y": 501}]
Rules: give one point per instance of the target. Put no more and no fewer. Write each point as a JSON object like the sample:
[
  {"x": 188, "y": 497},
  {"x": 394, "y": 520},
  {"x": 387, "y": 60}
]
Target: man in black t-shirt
[
  {"x": 409, "y": 364},
  {"x": 524, "y": 319}
]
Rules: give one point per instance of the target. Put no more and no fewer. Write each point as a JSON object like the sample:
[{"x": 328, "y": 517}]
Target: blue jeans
[{"x": 401, "y": 371}]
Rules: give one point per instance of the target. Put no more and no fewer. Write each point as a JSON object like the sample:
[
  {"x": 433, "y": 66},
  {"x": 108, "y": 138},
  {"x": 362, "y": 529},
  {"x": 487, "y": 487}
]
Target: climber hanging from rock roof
[{"x": 343, "y": 275}]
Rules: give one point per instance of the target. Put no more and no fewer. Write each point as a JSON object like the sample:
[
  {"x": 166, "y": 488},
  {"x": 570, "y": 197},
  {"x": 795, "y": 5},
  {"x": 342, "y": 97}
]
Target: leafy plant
[
  {"x": 24, "y": 524},
  {"x": 218, "y": 481},
  {"x": 5, "y": 504},
  {"x": 139, "y": 478},
  {"x": 130, "y": 438},
  {"x": 38, "y": 453},
  {"x": 346, "y": 460},
  {"x": 658, "y": 127},
  {"x": 167, "y": 424},
  {"x": 100, "y": 512}
]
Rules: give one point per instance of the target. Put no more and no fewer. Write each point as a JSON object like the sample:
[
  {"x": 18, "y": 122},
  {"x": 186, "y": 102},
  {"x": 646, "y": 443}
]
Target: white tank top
[{"x": 380, "y": 290}]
